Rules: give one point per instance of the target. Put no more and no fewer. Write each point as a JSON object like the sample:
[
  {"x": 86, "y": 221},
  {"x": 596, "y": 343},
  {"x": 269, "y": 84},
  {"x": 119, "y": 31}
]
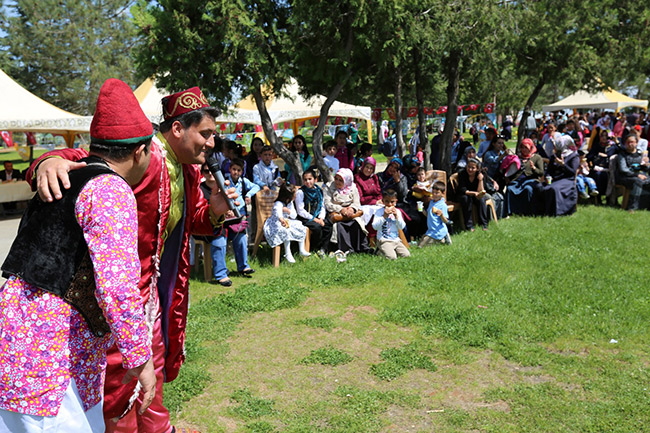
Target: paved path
[{"x": 8, "y": 229}]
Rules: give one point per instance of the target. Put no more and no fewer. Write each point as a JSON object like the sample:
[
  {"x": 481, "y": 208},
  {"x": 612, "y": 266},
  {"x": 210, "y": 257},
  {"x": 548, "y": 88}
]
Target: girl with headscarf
[
  {"x": 470, "y": 192},
  {"x": 523, "y": 192},
  {"x": 343, "y": 207},
  {"x": 368, "y": 182},
  {"x": 561, "y": 194}
]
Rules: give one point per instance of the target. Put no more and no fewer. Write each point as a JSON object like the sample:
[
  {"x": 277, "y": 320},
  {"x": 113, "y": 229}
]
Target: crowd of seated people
[{"x": 365, "y": 211}]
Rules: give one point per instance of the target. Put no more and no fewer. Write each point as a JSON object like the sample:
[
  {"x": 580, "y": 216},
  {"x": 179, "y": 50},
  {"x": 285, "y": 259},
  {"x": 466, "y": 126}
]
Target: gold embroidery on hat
[{"x": 188, "y": 100}]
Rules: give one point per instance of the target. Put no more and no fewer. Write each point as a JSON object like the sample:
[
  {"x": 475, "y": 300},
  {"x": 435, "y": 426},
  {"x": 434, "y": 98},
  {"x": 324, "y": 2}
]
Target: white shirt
[
  {"x": 300, "y": 207},
  {"x": 387, "y": 228},
  {"x": 332, "y": 162}
]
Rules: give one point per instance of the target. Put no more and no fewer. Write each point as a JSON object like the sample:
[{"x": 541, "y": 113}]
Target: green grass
[
  {"x": 503, "y": 331},
  {"x": 327, "y": 356}
]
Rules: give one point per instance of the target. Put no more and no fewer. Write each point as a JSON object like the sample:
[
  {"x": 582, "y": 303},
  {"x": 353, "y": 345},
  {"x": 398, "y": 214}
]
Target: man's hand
[
  {"x": 218, "y": 202},
  {"x": 49, "y": 172},
  {"x": 147, "y": 377}
]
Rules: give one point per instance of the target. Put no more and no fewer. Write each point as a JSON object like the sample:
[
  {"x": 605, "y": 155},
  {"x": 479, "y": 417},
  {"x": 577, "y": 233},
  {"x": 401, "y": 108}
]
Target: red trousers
[{"x": 116, "y": 395}]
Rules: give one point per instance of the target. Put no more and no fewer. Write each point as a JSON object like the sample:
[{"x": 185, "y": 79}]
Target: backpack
[{"x": 390, "y": 146}]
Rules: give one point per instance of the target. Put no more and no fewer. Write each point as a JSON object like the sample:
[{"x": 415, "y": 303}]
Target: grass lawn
[{"x": 535, "y": 325}]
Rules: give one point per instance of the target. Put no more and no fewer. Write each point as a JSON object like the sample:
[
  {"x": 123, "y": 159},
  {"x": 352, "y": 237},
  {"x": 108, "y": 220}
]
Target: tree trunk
[
  {"x": 317, "y": 137},
  {"x": 267, "y": 125},
  {"x": 401, "y": 147},
  {"x": 521, "y": 131},
  {"x": 419, "y": 95},
  {"x": 453, "y": 78},
  {"x": 317, "y": 140}
]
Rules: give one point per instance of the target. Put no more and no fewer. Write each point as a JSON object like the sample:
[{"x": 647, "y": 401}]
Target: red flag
[
  {"x": 338, "y": 120},
  {"x": 428, "y": 111},
  {"x": 239, "y": 126},
  {"x": 31, "y": 138},
  {"x": 223, "y": 127},
  {"x": 413, "y": 112},
  {"x": 376, "y": 114},
  {"x": 7, "y": 137},
  {"x": 472, "y": 107},
  {"x": 314, "y": 121},
  {"x": 258, "y": 128},
  {"x": 460, "y": 108},
  {"x": 489, "y": 108},
  {"x": 442, "y": 110},
  {"x": 391, "y": 113}
]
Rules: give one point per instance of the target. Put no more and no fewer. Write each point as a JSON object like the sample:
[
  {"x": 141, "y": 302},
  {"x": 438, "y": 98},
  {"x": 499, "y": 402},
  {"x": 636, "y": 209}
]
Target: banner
[
  {"x": 428, "y": 111},
  {"x": 460, "y": 109},
  {"x": 489, "y": 108},
  {"x": 472, "y": 107},
  {"x": 31, "y": 138},
  {"x": 391, "y": 113},
  {"x": 413, "y": 112},
  {"x": 376, "y": 114},
  {"x": 441, "y": 110},
  {"x": 7, "y": 137}
]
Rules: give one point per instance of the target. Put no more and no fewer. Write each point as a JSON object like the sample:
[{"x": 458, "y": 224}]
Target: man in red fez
[
  {"x": 171, "y": 207},
  {"x": 71, "y": 260}
]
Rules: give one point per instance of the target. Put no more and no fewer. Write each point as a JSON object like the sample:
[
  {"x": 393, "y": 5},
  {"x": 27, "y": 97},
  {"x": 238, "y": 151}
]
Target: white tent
[
  {"x": 150, "y": 99},
  {"x": 24, "y": 111},
  {"x": 292, "y": 107},
  {"x": 603, "y": 100}
]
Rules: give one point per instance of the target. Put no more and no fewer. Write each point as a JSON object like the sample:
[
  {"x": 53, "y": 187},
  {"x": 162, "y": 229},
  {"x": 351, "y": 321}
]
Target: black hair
[
  {"x": 311, "y": 172},
  {"x": 305, "y": 151},
  {"x": 116, "y": 152},
  {"x": 365, "y": 147},
  {"x": 253, "y": 141},
  {"x": 266, "y": 148},
  {"x": 218, "y": 144},
  {"x": 439, "y": 186},
  {"x": 389, "y": 193},
  {"x": 329, "y": 143},
  {"x": 237, "y": 161},
  {"x": 285, "y": 193},
  {"x": 421, "y": 169},
  {"x": 188, "y": 119},
  {"x": 341, "y": 131},
  {"x": 494, "y": 141},
  {"x": 236, "y": 147}
]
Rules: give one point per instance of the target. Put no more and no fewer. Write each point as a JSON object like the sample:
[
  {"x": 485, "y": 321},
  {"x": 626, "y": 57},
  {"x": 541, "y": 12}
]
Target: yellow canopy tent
[
  {"x": 605, "y": 100},
  {"x": 292, "y": 108},
  {"x": 22, "y": 111}
]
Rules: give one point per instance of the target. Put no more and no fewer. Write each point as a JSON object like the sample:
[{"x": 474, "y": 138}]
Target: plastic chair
[{"x": 453, "y": 183}]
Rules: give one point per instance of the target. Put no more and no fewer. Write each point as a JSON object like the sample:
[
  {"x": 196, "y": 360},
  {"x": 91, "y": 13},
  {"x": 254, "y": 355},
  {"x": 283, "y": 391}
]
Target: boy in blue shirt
[
  {"x": 387, "y": 221},
  {"x": 437, "y": 217},
  {"x": 236, "y": 233},
  {"x": 265, "y": 173}
]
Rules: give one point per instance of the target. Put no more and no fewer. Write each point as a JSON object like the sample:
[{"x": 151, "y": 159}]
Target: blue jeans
[
  {"x": 581, "y": 180},
  {"x": 218, "y": 251}
]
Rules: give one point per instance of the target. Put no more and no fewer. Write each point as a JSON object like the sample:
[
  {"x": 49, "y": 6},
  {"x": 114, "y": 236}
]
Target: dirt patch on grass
[{"x": 399, "y": 419}]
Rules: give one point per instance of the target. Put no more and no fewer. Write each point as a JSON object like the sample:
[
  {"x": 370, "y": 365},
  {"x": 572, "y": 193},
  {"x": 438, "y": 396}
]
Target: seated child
[
  {"x": 343, "y": 152},
  {"x": 365, "y": 151},
  {"x": 388, "y": 220},
  {"x": 437, "y": 216},
  {"x": 282, "y": 227},
  {"x": 422, "y": 187},
  {"x": 265, "y": 173},
  {"x": 236, "y": 232},
  {"x": 311, "y": 212},
  {"x": 583, "y": 180},
  {"x": 330, "y": 157}
]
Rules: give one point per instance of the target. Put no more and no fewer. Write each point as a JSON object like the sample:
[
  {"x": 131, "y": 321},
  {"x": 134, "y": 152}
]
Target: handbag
[
  {"x": 336, "y": 217},
  {"x": 236, "y": 227}
]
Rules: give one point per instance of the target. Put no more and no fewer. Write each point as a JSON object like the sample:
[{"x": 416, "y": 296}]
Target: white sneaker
[
  {"x": 305, "y": 254},
  {"x": 290, "y": 258},
  {"x": 340, "y": 256}
]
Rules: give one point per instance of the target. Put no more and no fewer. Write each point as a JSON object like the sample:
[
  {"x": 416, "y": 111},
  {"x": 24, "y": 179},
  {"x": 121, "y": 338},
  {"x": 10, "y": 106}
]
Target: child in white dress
[{"x": 282, "y": 227}]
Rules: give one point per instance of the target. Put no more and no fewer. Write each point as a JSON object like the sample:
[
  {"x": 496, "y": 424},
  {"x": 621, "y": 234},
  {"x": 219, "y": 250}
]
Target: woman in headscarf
[
  {"x": 561, "y": 194},
  {"x": 392, "y": 178},
  {"x": 344, "y": 210},
  {"x": 523, "y": 192},
  {"x": 368, "y": 182}
]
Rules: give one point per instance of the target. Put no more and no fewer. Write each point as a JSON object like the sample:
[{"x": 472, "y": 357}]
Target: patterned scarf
[{"x": 313, "y": 199}]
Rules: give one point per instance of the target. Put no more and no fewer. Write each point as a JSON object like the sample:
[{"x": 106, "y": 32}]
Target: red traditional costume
[{"x": 163, "y": 249}]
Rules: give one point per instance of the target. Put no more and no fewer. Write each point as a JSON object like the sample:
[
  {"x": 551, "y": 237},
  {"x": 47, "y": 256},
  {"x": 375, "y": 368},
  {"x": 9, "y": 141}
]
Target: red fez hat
[
  {"x": 118, "y": 117},
  {"x": 183, "y": 102}
]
